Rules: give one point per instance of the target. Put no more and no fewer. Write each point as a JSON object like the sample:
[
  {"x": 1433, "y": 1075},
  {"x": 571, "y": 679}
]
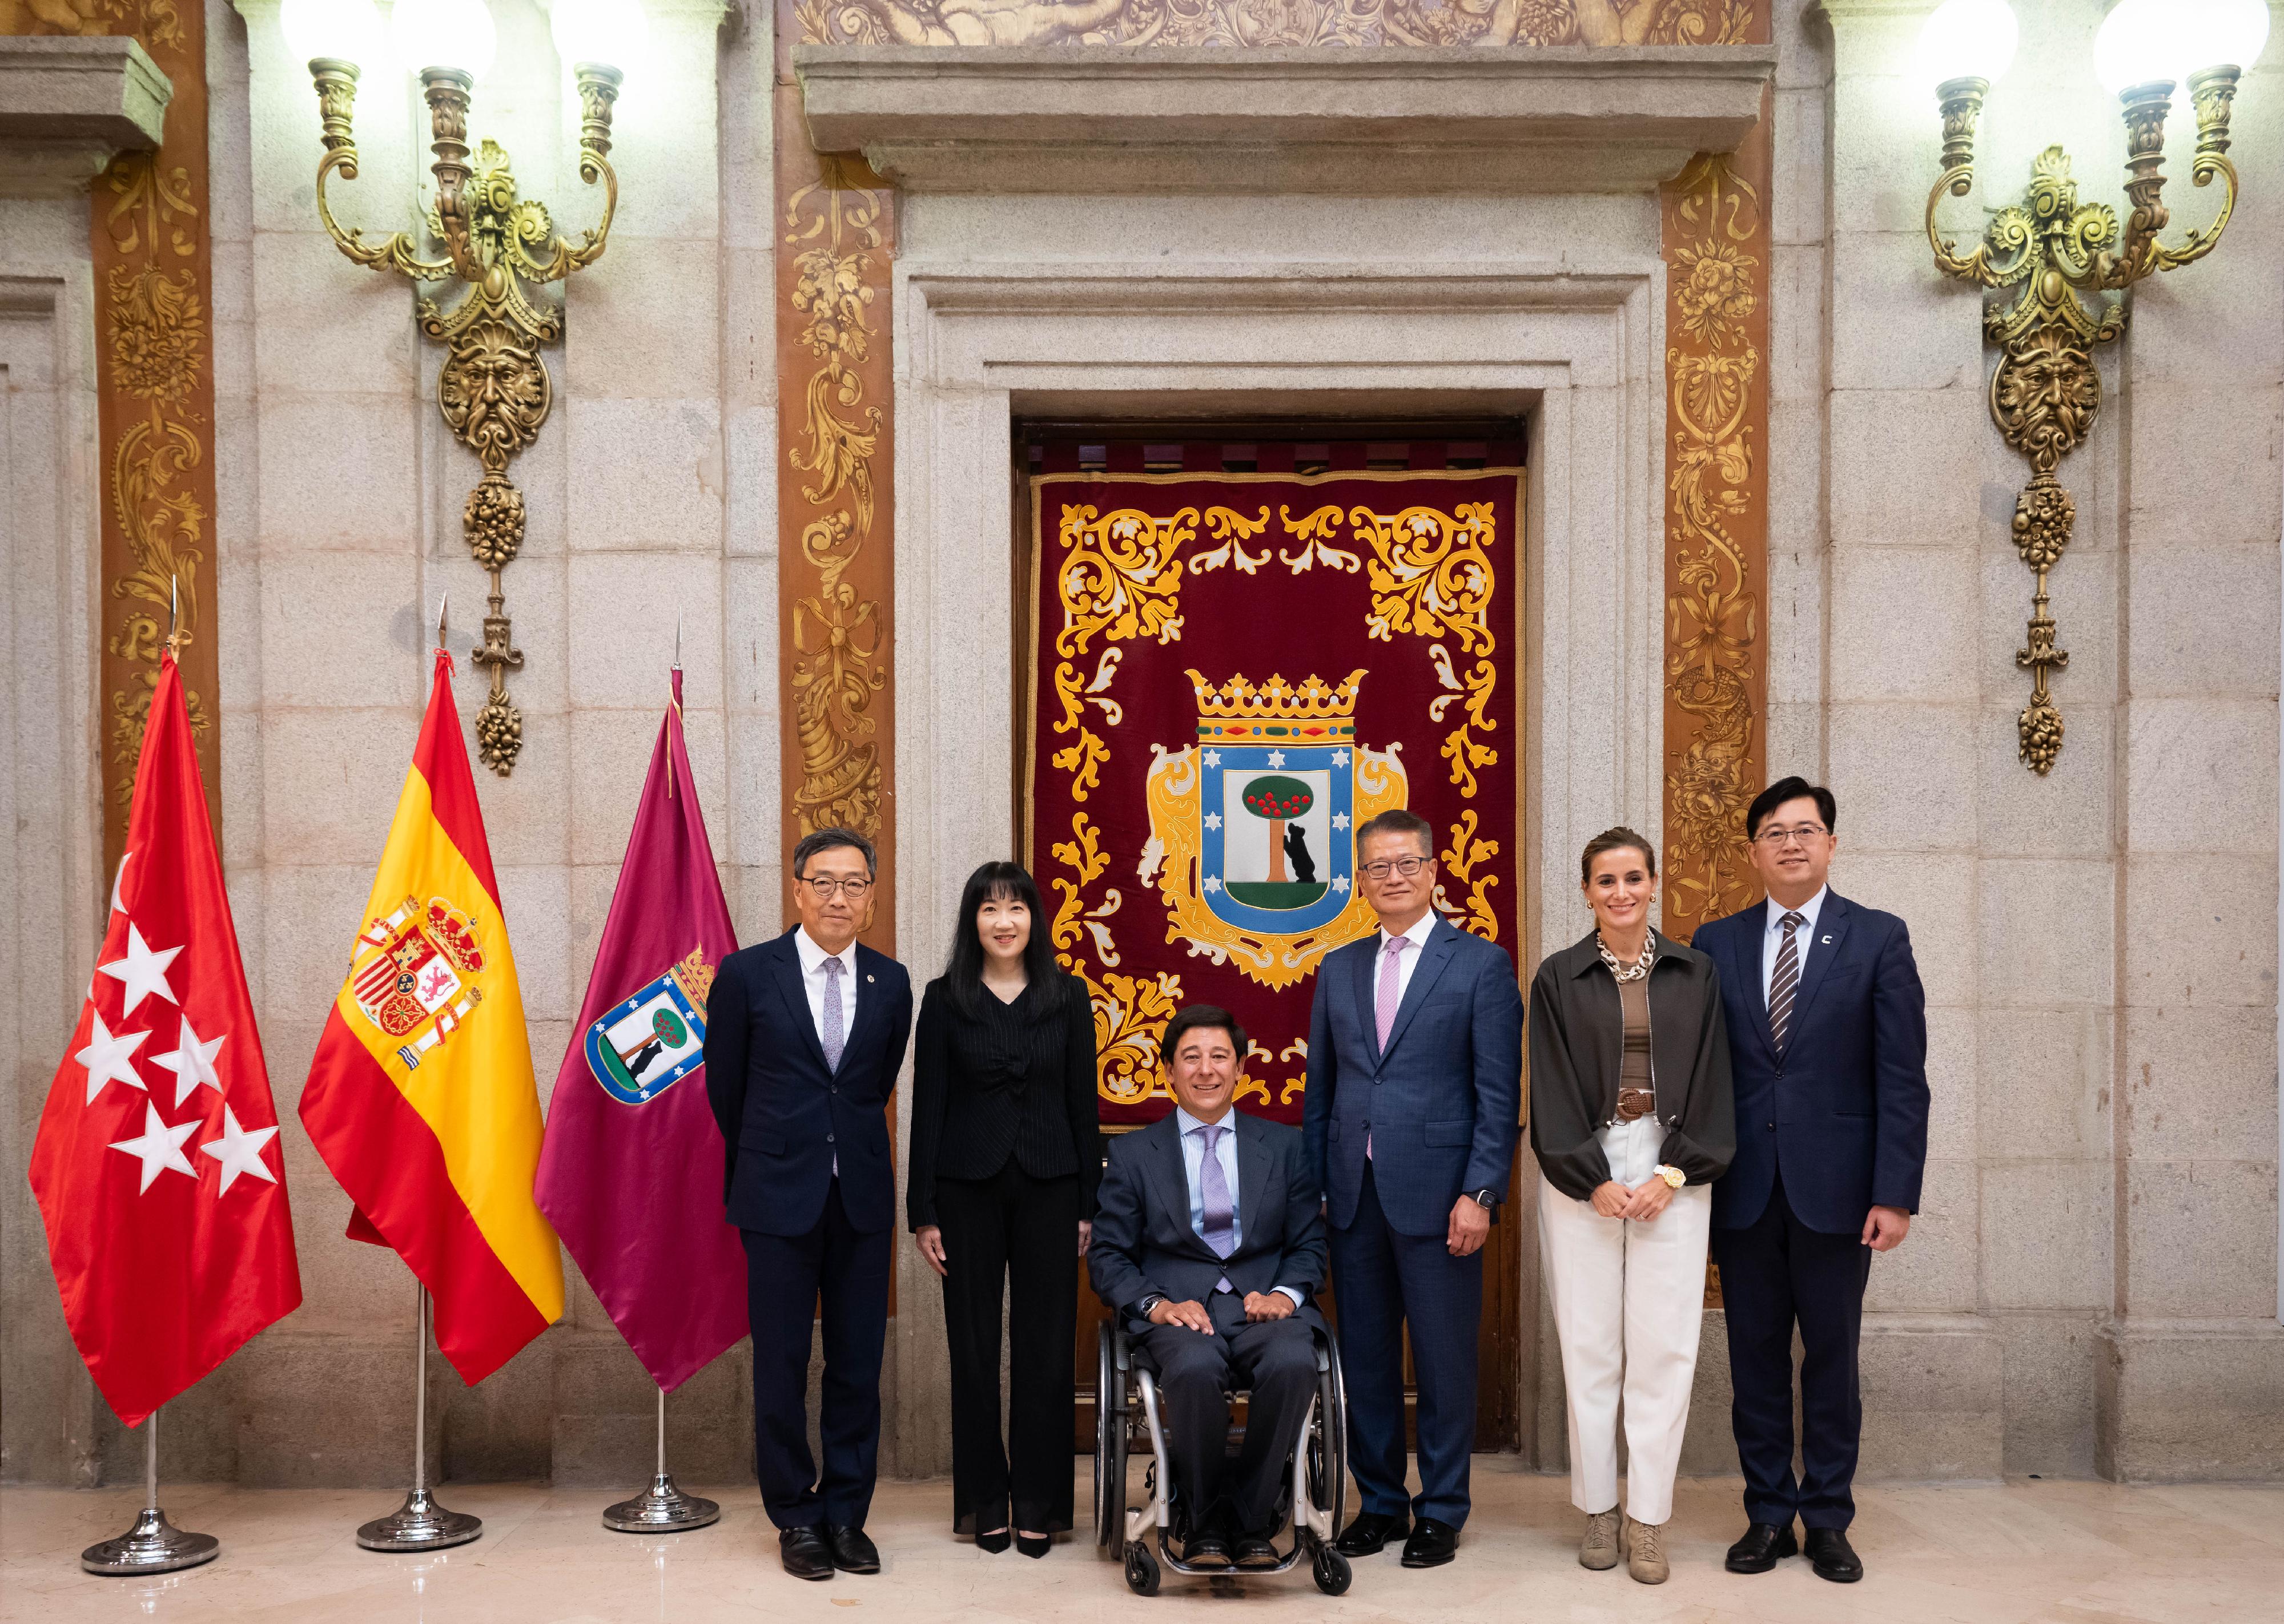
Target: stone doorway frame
[{"x": 1574, "y": 346}]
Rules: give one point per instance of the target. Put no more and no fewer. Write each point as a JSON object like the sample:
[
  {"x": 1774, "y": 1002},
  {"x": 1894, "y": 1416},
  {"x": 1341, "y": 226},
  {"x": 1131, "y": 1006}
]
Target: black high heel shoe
[
  {"x": 993, "y": 1542},
  {"x": 1035, "y": 1547}
]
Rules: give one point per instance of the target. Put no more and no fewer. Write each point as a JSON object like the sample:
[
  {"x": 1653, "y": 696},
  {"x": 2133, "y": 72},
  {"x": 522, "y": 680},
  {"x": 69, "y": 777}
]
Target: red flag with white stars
[{"x": 157, "y": 1168}]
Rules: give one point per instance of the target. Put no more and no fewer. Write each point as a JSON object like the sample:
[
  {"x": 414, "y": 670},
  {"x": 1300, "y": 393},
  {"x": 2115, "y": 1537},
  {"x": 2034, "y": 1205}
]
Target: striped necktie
[{"x": 1786, "y": 981}]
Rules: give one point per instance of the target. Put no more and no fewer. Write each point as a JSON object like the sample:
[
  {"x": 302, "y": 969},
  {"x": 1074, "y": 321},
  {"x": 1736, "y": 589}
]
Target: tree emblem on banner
[{"x": 1276, "y": 772}]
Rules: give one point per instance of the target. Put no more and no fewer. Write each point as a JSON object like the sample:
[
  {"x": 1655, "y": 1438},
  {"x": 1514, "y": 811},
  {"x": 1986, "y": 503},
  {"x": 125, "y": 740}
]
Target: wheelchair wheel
[
  {"x": 1142, "y": 1571},
  {"x": 1109, "y": 1452},
  {"x": 1328, "y": 1445},
  {"x": 1331, "y": 1571}
]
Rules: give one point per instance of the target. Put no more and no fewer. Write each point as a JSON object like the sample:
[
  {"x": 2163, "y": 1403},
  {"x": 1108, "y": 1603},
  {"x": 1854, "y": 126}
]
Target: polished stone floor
[{"x": 2023, "y": 1551}]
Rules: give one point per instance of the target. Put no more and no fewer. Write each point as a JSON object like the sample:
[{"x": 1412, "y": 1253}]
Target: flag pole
[
  {"x": 420, "y": 1524},
  {"x": 665, "y": 1508},
  {"x": 153, "y": 1545}
]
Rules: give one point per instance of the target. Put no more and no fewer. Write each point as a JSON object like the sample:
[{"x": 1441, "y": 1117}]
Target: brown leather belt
[{"x": 1634, "y": 1104}]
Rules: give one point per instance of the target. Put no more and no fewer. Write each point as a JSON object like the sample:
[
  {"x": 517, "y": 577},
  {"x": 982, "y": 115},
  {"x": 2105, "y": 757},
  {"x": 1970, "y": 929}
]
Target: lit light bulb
[
  {"x": 443, "y": 33},
  {"x": 613, "y": 32},
  {"x": 2222, "y": 33},
  {"x": 2142, "y": 41},
  {"x": 1967, "y": 38},
  {"x": 345, "y": 30}
]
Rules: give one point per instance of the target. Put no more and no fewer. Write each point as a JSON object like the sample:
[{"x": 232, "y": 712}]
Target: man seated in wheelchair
[{"x": 1209, "y": 1243}]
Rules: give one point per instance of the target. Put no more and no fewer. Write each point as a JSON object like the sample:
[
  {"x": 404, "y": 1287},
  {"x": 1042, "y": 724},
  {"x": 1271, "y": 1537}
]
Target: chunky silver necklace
[{"x": 1628, "y": 973}]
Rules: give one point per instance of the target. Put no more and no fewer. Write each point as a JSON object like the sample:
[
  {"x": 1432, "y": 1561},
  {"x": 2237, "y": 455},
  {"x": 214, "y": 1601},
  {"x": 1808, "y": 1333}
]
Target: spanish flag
[{"x": 421, "y": 1099}]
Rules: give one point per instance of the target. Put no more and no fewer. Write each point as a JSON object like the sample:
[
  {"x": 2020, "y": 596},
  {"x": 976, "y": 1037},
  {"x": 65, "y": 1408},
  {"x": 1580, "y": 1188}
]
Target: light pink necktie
[{"x": 1391, "y": 994}]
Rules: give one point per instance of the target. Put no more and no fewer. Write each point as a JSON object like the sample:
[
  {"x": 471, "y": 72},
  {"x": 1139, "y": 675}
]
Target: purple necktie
[
  {"x": 1213, "y": 1190},
  {"x": 1391, "y": 988},
  {"x": 834, "y": 1036}
]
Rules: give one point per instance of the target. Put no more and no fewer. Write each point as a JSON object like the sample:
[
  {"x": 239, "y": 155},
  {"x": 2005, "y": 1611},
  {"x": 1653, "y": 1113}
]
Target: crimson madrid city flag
[
  {"x": 158, "y": 1170},
  {"x": 630, "y": 1171}
]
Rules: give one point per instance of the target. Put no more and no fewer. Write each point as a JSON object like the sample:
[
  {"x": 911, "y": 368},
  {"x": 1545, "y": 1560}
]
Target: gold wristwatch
[{"x": 1674, "y": 1177}]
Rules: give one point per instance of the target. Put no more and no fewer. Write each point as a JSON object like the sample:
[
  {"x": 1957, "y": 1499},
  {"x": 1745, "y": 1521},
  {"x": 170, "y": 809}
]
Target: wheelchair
[{"x": 1126, "y": 1417}]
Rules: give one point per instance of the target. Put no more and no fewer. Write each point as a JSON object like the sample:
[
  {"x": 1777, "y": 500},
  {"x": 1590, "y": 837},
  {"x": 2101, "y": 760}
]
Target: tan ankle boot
[
  {"x": 1600, "y": 1549},
  {"x": 1646, "y": 1551}
]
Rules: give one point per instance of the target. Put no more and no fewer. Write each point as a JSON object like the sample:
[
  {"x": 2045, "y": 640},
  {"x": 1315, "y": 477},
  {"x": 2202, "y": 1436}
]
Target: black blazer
[
  {"x": 1577, "y": 1044},
  {"x": 1143, "y": 1242},
  {"x": 1845, "y": 1111},
  {"x": 1005, "y": 1080},
  {"x": 786, "y": 1117}
]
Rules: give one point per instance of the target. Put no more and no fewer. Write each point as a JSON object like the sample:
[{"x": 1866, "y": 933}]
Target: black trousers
[
  {"x": 1011, "y": 1229},
  {"x": 1277, "y": 1359},
  {"x": 786, "y": 1275},
  {"x": 1776, "y": 1273}
]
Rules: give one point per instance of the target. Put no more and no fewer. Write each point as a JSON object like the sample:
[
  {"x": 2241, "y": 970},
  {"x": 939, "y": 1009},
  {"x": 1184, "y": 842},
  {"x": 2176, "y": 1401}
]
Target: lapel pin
[
  {"x": 869, "y": 978},
  {"x": 1828, "y": 943}
]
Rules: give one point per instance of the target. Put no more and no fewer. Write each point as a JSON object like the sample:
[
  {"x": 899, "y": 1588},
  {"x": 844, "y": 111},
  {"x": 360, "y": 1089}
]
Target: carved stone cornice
[
  {"x": 69, "y": 106},
  {"x": 1105, "y": 119}
]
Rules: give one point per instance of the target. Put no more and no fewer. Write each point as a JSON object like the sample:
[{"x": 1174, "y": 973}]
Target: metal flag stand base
[
  {"x": 420, "y": 1524},
  {"x": 665, "y": 1508},
  {"x": 153, "y": 1545}
]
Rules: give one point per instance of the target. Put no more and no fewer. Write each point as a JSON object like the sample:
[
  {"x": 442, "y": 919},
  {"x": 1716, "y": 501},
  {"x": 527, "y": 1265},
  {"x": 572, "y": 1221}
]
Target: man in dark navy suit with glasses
[
  {"x": 1827, "y": 1035},
  {"x": 804, "y": 1036}
]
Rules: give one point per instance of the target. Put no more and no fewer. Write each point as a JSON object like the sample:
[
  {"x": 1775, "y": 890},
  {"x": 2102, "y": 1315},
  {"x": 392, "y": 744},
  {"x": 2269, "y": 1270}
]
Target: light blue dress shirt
[{"x": 1193, "y": 1162}]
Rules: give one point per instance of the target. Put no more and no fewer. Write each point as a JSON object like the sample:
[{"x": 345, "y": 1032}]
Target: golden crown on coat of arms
[
  {"x": 1313, "y": 709},
  {"x": 695, "y": 975}
]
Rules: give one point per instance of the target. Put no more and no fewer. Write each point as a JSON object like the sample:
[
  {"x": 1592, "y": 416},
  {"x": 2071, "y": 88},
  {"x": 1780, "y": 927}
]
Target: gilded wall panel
[
  {"x": 834, "y": 233},
  {"x": 153, "y": 273},
  {"x": 836, "y": 407}
]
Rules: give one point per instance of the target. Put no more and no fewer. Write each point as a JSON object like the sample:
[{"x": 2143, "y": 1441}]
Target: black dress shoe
[
  {"x": 1833, "y": 1557},
  {"x": 1764, "y": 1545},
  {"x": 1035, "y": 1545},
  {"x": 804, "y": 1553},
  {"x": 852, "y": 1552},
  {"x": 1206, "y": 1550},
  {"x": 1256, "y": 1551},
  {"x": 1432, "y": 1544},
  {"x": 1370, "y": 1531},
  {"x": 993, "y": 1542}
]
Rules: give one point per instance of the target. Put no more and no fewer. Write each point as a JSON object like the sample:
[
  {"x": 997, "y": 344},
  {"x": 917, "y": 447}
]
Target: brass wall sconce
[
  {"x": 494, "y": 391},
  {"x": 2060, "y": 275}
]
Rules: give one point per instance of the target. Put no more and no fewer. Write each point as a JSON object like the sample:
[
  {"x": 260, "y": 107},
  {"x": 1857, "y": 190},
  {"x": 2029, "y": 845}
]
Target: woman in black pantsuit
[{"x": 1005, "y": 1157}]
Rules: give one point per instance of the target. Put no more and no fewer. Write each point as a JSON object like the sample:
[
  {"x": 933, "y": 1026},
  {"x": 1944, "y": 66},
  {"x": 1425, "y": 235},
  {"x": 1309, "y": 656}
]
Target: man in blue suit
[
  {"x": 1827, "y": 1035},
  {"x": 804, "y": 1036},
  {"x": 1413, "y": 1104}
]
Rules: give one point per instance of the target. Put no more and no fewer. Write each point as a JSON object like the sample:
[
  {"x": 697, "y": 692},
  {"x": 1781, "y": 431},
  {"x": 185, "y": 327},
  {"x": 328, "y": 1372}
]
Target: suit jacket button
[
  {"x": 1772, "y": 1128},
  {"x": 828, "y": 1139}
]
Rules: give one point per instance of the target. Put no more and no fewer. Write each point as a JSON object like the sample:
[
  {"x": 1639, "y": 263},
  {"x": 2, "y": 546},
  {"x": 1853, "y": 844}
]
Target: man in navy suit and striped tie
[{"x": 1828, "y": 1034}]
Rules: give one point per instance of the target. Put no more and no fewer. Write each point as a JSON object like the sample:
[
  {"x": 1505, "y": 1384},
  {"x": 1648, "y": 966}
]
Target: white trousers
[{"x": 1628, "y": 1300}]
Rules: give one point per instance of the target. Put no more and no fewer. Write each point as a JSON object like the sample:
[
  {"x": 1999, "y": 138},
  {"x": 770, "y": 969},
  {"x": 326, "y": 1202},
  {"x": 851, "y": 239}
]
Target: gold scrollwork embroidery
[{"x": 1123, "y": 575}]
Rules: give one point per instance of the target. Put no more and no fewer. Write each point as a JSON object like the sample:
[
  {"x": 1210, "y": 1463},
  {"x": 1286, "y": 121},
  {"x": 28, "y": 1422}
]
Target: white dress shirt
[
  {"x": 1193, "y": 1162},
  {"x": 1772, "y": 936},
  {"x": 1408, "y": 960},
  {"x": 812, "y": 981}
]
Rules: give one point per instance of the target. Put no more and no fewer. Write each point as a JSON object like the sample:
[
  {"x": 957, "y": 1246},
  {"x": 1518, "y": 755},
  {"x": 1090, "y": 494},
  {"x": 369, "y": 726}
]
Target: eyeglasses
[
  {"x": 823, "y": 888},
  {"x": 1776, "y": 839},
  {"x": 1406, "y": 866}
]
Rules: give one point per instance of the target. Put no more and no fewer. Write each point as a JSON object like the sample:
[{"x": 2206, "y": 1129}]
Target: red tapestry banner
[{"x": 1230, "y": 672}]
